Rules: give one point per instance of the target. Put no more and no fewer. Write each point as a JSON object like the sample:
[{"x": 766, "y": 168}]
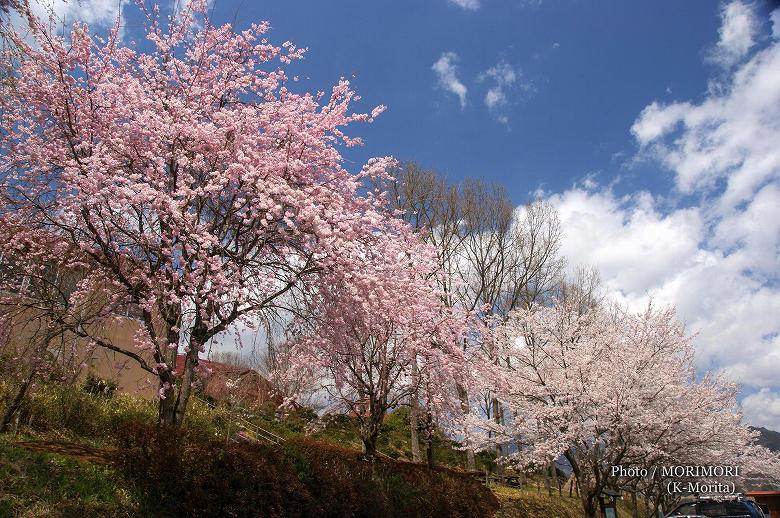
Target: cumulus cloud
[
  {"x": 738, "y": 30},
  {"x": 723, "y": 287},
  {"x": 471, "y": 5},
  {"x": 775, "y": 18},
  {"x": 101, "y": 13},
  {"x": 98, "y": 14},
  {"x": 717, "y": 259},
  {"x": 731, "y": 136},
  {"x": 635, "y": 246},
  {"x": 764, "y": 406},
  {"x": 447, "y": 74}
]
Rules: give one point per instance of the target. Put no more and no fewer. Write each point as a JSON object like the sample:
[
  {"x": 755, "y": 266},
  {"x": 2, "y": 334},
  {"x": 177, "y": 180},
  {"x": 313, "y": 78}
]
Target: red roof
[
  {"x": 762, "y": 493},
  {"x": 222, "y": 381},
  {"x": 210, "y": 365}
]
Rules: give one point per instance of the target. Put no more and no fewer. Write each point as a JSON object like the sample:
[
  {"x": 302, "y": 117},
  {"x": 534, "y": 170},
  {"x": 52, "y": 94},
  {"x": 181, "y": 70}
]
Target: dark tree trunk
[
  {"x": 370, "y": 427},
  {"x": 429, "y": 439},
  {"x": 589, "y": 505},
  {"x": 498, "y": 418},
  {"x": 471, "y": 463},
  {"x": 186, "y": 384},
  {"x": 37, "y": 363},
  {"x": 369, "y": 446},
  {"x": 554, "y": 478},
  {"x": 414, "y": 419}
]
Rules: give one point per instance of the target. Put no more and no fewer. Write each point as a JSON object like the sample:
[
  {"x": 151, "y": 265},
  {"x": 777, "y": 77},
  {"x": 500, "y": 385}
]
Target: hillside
[{"x": 74, "y": 453}]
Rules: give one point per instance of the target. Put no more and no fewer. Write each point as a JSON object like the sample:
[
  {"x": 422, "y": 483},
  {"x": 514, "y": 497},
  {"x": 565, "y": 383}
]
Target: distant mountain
[{"x": 769, "y": 438}]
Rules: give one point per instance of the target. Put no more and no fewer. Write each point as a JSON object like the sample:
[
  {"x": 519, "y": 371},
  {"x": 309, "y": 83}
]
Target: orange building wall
[{"x": 118, "y": 368}]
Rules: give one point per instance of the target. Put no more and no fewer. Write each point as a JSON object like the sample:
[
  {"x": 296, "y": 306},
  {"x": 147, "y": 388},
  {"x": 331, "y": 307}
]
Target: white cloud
[
  {"x": 764, "y": 406},
  {"x": 737, "y": 33},
  {"x": 635, "y": 247},
  {"x": 731, "y": 136},
  {"x": 101, "y": 13},
  {"x": 503, "y": 76},
  {"x": 471, "y": 5},
  {"x": 716, "y": 256},
  {"x": 447, "y": 74},
  {"x": 59, "y": 14},
  {"x": 656, "y": 120}
]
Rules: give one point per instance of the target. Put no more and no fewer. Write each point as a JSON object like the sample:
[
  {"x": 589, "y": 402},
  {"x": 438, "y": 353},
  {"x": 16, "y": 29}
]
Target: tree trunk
[
  {"x": 168, "y": 386},
  {"x": 370, "y": 427},
  {"x": 185, "y": 388},
  {"x": 497, "y": 417},
  {"x": 590, "y": 505},
  {"x": 14, "y": 405},
  {"x": 167, "y": 409},
  {"x": 429, "y": 439},
  {"x": 548, "y": 480},
  {"x": 168, "y": 355},
  {"x": 554, "y": 478},
  {"x": 471, "y": 464},
  {"x": 414, "y": 420},
  {"x": 369, "y": 446}
]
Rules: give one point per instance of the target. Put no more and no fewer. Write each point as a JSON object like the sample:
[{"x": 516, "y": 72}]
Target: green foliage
[{"x": 99, "y": 387}]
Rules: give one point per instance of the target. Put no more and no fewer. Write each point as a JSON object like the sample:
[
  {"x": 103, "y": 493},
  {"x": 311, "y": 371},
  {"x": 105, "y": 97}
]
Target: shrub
[
  {"x": 99, "y": 387},
  {"x": 56, "y": 408},
  {"x": 192, "y": 474}
]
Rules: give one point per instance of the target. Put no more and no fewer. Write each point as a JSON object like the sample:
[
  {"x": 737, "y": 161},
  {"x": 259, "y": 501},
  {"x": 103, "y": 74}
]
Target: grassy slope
[
  {"x": 51, "y": 485},
  {"x": 528, "y": 503}
]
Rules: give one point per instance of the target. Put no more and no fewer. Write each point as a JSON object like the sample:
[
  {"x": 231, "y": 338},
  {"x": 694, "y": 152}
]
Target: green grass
[
  {"x": 530, "y": 503},
  {"x": 52, "y": 485}
]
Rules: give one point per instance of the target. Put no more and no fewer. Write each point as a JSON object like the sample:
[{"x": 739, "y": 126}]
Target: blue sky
[
  {"x": 652, "y": 127},
  {"x": 583, "y": 71}
]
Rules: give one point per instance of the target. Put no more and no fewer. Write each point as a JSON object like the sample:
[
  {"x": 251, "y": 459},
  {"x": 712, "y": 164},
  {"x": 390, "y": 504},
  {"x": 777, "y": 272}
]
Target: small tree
[
  {"x": 190, "y": 176},
  {"x": 371, "y": 328}
]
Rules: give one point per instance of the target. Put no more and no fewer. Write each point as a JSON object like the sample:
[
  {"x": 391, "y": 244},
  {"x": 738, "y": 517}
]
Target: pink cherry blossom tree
[
  {"x": 370, "y": 328},
  {"x": 605, "y": 388},
  {"x": 191, "y": 175}
]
